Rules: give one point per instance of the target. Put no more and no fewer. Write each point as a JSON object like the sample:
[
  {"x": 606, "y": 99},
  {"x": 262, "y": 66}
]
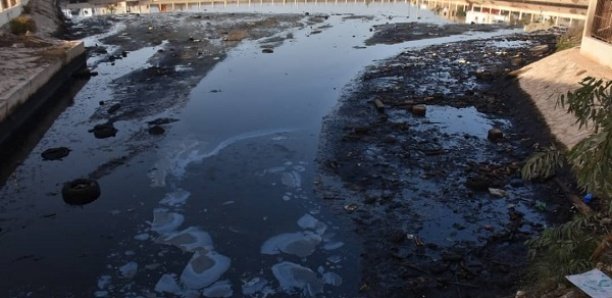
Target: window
[{"x": 602, "y": 21}]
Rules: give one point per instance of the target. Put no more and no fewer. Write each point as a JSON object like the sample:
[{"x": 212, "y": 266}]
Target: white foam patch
[
  {"x": 310, "y": 222},
  {"x": 332, "y": 278},
  {"x": 190, "y": 239},
  {"x": 254, "y": 286},
  {"x": 181, "y": 68},
  {"x": 175, "y": 160},
  {"x": 129, "y": 270},
  {"x": 142, "y": 237},
  {"x": 301, "y": 244},
  {"x": 221, "y": 288},
  {"x": 299, "y": 168},
  {"x": 274, "y": 170},
  {"x": 292, "y": 277},
  {"x": 203, "y": 269},
  {"x": 333, "y": 245},
  {"x": 292, "y": 179},
  {"x": 166, "y": 222},
  {"x": 509, "y": 44},
  {"x": 104, "y": 281},
  {"x": 167, "y": 284},
  {"x": 176, "y": 198}
]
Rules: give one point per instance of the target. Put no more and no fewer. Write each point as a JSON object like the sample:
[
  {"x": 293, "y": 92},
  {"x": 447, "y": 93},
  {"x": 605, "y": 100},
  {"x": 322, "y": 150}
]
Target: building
[
  {"x": 597, "y": 38},
  {"x": 10, "y": 9}
]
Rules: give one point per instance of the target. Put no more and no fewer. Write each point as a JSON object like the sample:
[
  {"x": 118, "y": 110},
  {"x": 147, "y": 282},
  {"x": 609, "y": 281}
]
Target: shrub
[{"x": 22, "y": 24}]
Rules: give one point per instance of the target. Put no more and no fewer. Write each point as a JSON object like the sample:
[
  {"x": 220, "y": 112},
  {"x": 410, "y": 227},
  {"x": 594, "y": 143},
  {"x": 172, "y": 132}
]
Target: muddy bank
[
  {"x": 401, "y": 32},
  {"x": 438, "y": 200}
]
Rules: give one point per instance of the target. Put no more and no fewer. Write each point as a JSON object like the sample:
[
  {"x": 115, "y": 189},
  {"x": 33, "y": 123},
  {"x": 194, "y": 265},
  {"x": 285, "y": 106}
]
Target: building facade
[{"x": 597, "y": 38}]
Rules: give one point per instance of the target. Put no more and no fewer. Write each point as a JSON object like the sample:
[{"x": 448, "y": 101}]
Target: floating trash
[{"x": 129, "y": 270}]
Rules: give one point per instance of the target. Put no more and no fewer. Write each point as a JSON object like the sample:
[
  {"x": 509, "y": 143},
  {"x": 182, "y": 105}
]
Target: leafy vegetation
[
  {"x": 590, "y": 159},
  {"x": 22, "y": 24},
  {"x": 577, "y": 245},
  {"x": 571, "y": 38}
]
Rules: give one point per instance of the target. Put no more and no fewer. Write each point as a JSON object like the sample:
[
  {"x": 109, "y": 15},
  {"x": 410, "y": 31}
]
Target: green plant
[
  {"x": 571, "y": 247},
  {"x": 543, "y": 164},
  {"x": 22, "y": 24},
  {"x": 461, "y": 12},
  {"x": 565, "y": 249},
  {"x": 591, "y": 158}
]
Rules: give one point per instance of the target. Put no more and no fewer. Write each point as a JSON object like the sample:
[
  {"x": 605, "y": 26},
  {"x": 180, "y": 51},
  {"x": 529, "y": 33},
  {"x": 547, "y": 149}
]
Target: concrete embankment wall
[
  {"x": 24, "y": 89},
  {"x": 23, "y": 100}
]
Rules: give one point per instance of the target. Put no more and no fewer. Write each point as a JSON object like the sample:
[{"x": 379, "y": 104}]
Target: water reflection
[
  {"x": 533, "y": 16},
  {"x": 506, "y": 12}
]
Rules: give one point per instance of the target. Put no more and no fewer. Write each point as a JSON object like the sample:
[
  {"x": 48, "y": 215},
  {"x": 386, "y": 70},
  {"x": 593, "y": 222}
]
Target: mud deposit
[{"x": 441, "y": 208}]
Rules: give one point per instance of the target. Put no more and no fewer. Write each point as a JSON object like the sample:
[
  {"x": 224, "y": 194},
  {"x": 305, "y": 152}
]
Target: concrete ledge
[
  {"x": 597, "y": 50},
  {"x": 20, "y": 93},
  {"x": 23, "y": 100}
]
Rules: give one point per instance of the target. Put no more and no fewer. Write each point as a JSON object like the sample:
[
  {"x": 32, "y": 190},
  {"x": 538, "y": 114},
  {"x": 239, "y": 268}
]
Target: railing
[
  {"x": 6, "y": 4},
  {"x": 602, "y": 21}
]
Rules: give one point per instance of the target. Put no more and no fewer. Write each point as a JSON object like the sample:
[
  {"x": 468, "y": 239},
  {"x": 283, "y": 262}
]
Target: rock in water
[
  {"x": 495, "y": 134},
  {"x": 419, "y": 110}
]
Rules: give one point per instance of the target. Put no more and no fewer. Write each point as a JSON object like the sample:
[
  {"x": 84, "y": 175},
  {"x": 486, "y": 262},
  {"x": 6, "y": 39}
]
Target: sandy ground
[{"x": 545, "y": 80}]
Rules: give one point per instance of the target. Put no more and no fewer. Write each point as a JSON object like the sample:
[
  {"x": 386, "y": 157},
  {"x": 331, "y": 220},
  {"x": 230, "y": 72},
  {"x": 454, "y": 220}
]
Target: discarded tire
[
  {"x": 55, "y": 153},
  {"x": 103, "y": 131},
  {"x": 419, "y": 110},
  {"x": 156, "y": 130},
  {"x": 80, "y": 191}
]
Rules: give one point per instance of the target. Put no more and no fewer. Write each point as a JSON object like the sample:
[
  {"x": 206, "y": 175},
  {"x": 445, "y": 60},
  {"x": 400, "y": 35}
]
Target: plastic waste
[{"x": 587, "y": 198}]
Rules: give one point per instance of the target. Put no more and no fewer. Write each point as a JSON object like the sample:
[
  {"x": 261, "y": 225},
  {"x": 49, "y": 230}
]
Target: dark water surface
[{"x": 222, "y": 202}]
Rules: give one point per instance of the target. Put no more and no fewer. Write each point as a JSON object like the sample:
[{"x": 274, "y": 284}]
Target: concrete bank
[
  {"x": 32, "y": 70},
  {"x": 545, "y": 80}
]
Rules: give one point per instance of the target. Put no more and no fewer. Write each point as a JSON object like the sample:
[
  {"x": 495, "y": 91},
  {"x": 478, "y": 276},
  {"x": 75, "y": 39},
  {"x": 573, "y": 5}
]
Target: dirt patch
[{"x": 441, "y": 208}]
